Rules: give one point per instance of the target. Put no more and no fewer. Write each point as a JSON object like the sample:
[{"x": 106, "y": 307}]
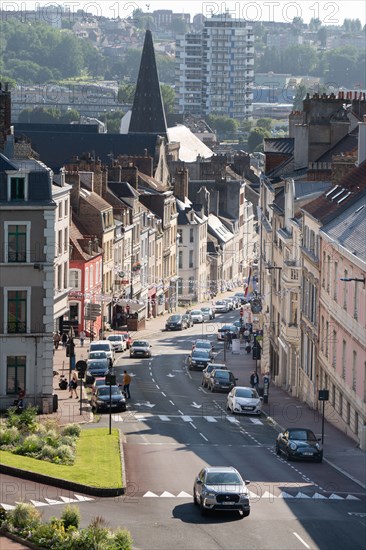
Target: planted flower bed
[{"x": 21, "y": 434}]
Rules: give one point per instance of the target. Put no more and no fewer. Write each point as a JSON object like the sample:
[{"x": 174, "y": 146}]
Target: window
[
  {"x": 191, "y": 236},
  {"x": 191, "y": 258},
  {"x": 344, "y": 351},
  {"x": 17, "y": 189},
  {"x": 354, "y": 372},
  {"x": 15, "y": 374},
  {"x": 86, "y": 283},
  {"x": 180, "y": 259},
  {"x": 17, "y": 242},
  {"x": 335, "y": 288},
  {"x": 66, "y": 239},
  {"x": 60, "y": 211},
  {"x": 345, "y": 290},
  {"x": 334, "y": 359},
  {"x": 74, "y": 278},
  {"x": 355, "y": 301},
  {"x": 293, "y": 309},
  {"x": 91, "y": 277},
  {"x": 326, "y": 338},
  {"x": 191, "y": 285},
  {"x": 59, "y": 242},
  {"x": 17, "y": 311},
  {"x": 66, "y": 208}
]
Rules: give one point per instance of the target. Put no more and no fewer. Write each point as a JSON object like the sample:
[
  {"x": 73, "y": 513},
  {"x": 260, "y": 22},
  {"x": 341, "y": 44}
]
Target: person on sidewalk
[
  {"x": 229, "y": 338},
  {"x": 82, "y": 338},
  {"x": 73, "y": 386},
  {"x": 56, "y": 340},
  {"x": 64, "y": 339},
  {"x": 126, "y": 384},
  {"x": 254, "y": 380}
]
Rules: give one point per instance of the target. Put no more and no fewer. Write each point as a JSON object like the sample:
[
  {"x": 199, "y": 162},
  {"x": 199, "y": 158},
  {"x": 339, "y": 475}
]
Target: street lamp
[{"x": 349, "y": 279}]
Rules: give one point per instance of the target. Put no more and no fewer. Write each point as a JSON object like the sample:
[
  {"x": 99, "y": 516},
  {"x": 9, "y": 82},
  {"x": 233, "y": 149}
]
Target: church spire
[{"x": 148, "y": 114}]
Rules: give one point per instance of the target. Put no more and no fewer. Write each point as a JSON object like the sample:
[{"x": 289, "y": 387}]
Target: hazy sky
[{"x": 330, "y": 13}]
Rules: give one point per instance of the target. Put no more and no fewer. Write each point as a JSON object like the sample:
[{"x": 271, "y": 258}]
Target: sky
[{"x": 330, "y": 13}]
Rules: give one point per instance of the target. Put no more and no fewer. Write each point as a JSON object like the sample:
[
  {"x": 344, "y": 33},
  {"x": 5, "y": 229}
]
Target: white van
[{"x": 103, "y": 345}]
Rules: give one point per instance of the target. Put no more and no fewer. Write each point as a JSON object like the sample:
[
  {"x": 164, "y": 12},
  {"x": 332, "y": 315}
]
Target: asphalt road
[{"x": 172, "y": 428}]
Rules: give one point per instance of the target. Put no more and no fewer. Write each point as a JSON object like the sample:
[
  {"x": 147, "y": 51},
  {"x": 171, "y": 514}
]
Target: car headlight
[
  {"x": 100, "y": 402},
  {"x": 193, "y": 362},
  {"x": 293, "y": 446},
  {"x": 318, "y": 446}
]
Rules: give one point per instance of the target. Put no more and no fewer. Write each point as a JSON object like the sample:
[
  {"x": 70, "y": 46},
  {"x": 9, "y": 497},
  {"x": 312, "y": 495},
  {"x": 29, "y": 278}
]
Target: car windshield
[
  {"x": 222, "y": 374},
  {"x": 226, "y": 328},
  {"x": 97, "y": 365},
  {"x": 302, "y": 435},
  {"x": 97, "y": 355},
  {"x": 140, "y": 343},
  {"x": 246, "y": 392},
  {"x": 196, "y": 312},
  {"x": 97, "y": 347},
  {"x": 205, "y": 308},
  {"x": 104, "y": 390},
  {"x": 222, "y": 478},
  {"x": 219, "y": 303},
  {"x": 115, "y": 338},
  {"x": 201, "y": 353},
  {"x": 206, "y": 345},
  {"x": 174, "y": 318}
]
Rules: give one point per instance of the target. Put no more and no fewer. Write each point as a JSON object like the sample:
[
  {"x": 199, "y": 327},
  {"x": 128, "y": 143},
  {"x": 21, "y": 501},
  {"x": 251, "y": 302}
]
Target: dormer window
[{"x": 17, "y": 188}]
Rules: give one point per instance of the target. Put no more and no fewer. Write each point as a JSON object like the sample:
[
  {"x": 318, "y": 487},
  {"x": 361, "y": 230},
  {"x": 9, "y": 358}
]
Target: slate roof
[
  {"x": 339, "y": 197},
  {"x": 94, "y": 200},
  {"x": 218, "y": 229},
  {"x": 285, "y": 146},
  {"x": 148, "y": 114},
  {"x": 39, "y": 180},
  {"x": 349, "y": 228},
  {"x": 59, "y": 147},
  {"x": 348, "y": 143}
]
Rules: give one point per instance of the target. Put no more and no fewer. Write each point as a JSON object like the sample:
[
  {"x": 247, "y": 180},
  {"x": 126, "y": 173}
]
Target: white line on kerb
[
  {"x": 205, "y": 438},
  {"x": 301, "y": 540}
]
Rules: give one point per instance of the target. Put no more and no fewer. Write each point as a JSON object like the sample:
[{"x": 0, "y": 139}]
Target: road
[{"x": 172, "y": 428}]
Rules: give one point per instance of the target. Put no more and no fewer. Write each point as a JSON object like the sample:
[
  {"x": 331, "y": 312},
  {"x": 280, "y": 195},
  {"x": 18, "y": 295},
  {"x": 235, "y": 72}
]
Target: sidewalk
[
  {"x": 285, "y": 411},
  {"x": 282, "y": 409}
]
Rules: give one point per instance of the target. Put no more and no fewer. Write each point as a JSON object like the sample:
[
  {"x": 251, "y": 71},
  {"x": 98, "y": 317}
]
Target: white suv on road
[{"x": 103, "y": 345}]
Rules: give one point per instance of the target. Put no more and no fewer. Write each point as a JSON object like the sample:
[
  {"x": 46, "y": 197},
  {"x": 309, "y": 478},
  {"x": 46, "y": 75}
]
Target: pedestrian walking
[
  {"x": 56, "y": 340},
  {"x": 229, "y": 338},
  {"x": 126, "y": 384},
  {"x": 64, "y": 339},
  {"x": 82, "y": 338},
  {"x": 254, "y": 380},
  {"x": 73, "y": 385}
]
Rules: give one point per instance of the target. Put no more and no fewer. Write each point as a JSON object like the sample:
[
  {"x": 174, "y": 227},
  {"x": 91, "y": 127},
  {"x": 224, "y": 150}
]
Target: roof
[
  {"x": 190, "y": 145},
  {"x": 148, "y": 114},
  {"x": 339, "y": 197},
  {"x": 60, "y": 147},
  {"x": 348, "y": 229},
  {"x": 345, "y": 145},
  {"x": 94, "y": 200},
  {"x": 304, "y": 188},
  {"x": 218, "y": 229},
  {"x": 279, "y": 145}
]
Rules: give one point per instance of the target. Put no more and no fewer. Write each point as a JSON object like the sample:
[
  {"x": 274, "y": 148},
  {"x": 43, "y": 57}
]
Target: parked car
[
  {"x": 118, "y": 342},
  {"x": 101, "y": 398},
  {"x": 204, "y": 345},
  {"x": 187, "y": 317},
  {"x": 244, "y": 400},
  {"x": 225, "y": 329},
  {"x": 103, "y": 345},
  {"x": 199, "y": 359},
  {"x": 221, "y": 380},
  {"x": 140, "y": 348},
  {"x": 221, "y": 488},
  {"x": 210, "y": 311},
  {"x": 205, "y": 314},
  {"x": 236, "y": 300},
  {"x": 241, "y": 297},
  {"x": 220, "y": 306},
  {"x": 176, "y": 322},
  {"x": 96, "y": 368},
  {"x": 206, "y": 373},
  {"x": 197, "y": 316},
  {"x": 299, "y": 443}
]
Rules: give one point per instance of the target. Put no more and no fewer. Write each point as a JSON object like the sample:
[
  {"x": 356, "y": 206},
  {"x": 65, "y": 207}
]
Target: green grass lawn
[{"x": 97, "y": 461}]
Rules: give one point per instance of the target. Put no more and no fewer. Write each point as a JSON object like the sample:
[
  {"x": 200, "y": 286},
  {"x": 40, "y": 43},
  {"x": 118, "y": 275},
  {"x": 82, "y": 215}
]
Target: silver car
[
  {"x": 140, "y": 348},
  {"x": 244, "y": 400},
  {"x": 197, "y": 316},
  {"x": 221, "y": 488}
]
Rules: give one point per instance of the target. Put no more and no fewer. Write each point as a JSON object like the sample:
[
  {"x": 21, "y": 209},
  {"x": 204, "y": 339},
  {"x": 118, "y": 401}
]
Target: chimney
[
  {"x": 5, "y": 114},
  {"x": 114, "y": 173},
  {"x": 362, "y": 141},
  {"x": 130, "y": 174},
  {"x": 73, "y": 179},
  {"x": 181, "y": 184}
]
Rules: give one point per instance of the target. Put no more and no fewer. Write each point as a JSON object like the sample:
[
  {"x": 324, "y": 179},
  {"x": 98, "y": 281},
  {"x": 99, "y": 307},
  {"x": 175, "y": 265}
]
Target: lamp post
[{"x": 357, "y": 280}]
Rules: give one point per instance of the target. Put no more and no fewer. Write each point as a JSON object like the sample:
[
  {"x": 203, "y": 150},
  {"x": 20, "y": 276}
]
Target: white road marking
[
  {"x": 193, "y": 426},
  {"x": 210, "y": 419},
  {"x": 83, "y": 498},
  {"x": 166, "y": 494},
  {"x": 256, "y": 421},
  {"x": 301, "y": 540},
  {"x": 53, "y": 502},
  {"x": 170, "y": 401},
  {"x": 318, "y": 495},
  {"x": 180, "y": 412},
  {"x": 205, "y": 438},
  {"x": 158, "y": 387},
  {"x": 335, "y": 497},
  {"x": 186, "y": 418},
  {"x": 183, "y": 494},
  {"x": 149, "y": 494},
  {"x": 162, "y": 393},
  {"x": 164, "y": 418},
  {"x": 38, "y": 504},
  {"x": 232, "y": 420},
  {"x": 7, "y": 506}
]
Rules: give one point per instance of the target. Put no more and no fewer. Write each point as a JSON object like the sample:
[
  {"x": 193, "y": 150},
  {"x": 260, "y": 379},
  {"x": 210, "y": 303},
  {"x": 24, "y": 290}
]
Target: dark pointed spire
[{"x": 148, "y": 114}]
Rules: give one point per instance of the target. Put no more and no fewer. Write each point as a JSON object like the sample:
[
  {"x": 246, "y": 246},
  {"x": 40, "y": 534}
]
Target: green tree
[
  {"x": 126, "y": 93},
  {"x": 264, "y": 123},
  {"x": 315, "y": 24},
  {"x": 168, "y": 96},
  {"x": 255, "y": 139},
  {"x": 222, "y": 124},
  {"x": 322, "y": 35}
]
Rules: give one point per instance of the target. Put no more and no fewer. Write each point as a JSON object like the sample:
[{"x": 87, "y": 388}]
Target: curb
[{"x": 19, "y": 540}]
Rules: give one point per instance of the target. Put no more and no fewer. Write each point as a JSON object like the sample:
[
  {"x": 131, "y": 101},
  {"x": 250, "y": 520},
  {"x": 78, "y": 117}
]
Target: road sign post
[{"x": 323, "y": 396}]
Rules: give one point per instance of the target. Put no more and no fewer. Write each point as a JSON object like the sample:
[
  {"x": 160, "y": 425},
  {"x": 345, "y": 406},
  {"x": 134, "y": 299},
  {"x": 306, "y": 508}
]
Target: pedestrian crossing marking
[
  {"x": 266, "y": 495},
  {"x": 210, "y": 418},
  {"x": 233, "y": 420},
  {"x": 186, "y": 418},
  {"x": 164, "y": 417},
  {"x": 256, "y": 421}
]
